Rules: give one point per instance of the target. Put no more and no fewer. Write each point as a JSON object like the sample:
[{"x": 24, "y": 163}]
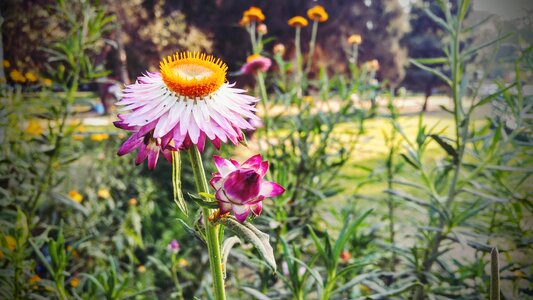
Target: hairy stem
[{"x": 211, "y": 229}]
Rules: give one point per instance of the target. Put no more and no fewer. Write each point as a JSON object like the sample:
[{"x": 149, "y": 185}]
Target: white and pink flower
[
  {"x": 185, "y": 103},
  {"x": 240, "y": 188}
]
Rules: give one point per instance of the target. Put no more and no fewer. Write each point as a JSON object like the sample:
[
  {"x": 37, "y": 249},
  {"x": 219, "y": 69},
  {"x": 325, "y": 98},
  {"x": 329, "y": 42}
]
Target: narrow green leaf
[
  {"x": 432, "y": 71},
  {"x": 447, "y": 147}
]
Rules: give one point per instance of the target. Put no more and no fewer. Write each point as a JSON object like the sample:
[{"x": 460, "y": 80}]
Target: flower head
[
  {"x": 6, "y": 63},
  {"x": 31, "y": 76},
  {"x": 241, "y": 187},
  {"x": 34, "y": 128},
  {"x": 372, "y": 65},
  {"x": 16, "y": 76},
  {"x": 279, "y": 49},
  {"x": 74, "y": 282},
  {"x": 262, "y": 29},
  {"x": 355, "y": 39},
  {"x": 98, "y": 137},
  {"x": 244, "y": 21},
  {"x": 104, "y": 193},
  {"x": 297, "y": 21},
  {"x": 132, "y": 202},
  {"x": 256, "y": 63},
  {"x": 75, "y": 196},
  {"x": 173, "y": 246},
  {"x": 185, "y": 103},
  {"x": 254, "y": 14},
  {"x": 317, "y": 13}
]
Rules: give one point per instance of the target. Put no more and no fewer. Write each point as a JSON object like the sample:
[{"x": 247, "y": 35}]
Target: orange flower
[
  {"x": 317, "y": 13},
  {"x": 297, "y": 21},
  {"x": 74, "y": 282},
  {"x": 244, "y": 21},
  {"x": 75, "y": 196},
  {"x": 254, "y": 14},
  {"x": 355, "y": 39},
  {"x": 132, "y": 202}
]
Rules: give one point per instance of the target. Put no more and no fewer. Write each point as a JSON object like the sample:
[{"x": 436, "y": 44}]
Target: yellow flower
[
  {"x": 78, "y": 137},
  {"x": 47, "y": 81},
  {"x": 34, "y": 128},
  {"x": 6, "y": 63},
  {"x": 182, "y": 262},
  {"x": 121, "y": 136},
  {"x": 74, "y": 282},
  {"x": 297, "y": 21},
  {"x": 254, "y": 14},
  {"x": 16, "y": 76},
  {"x": 317, "y": 13},
  {"x": 308, "y": 99},
  {"x": 279, "y": 49},
  {"x": 75, "y": 196},
  {"x": 141, "y": 269},
  {"x": 98, "y": 137},
  {"x": 132, "y": 202},
  {"x": 31, "y": 77},
  {"x": 10, "y": 244},
  {"x": 104, "y": 193},
  {"x": 355, "y": 39},
  {"x": 81, "y": 128}
]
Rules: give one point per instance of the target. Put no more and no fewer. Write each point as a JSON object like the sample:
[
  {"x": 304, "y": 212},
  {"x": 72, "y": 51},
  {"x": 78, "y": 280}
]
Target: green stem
[
  {"x": 298, "y": 61},
  {"x": 175, "y": 277},
  {"x": 264, "y": 100},
  {"x": 494, "y": 275},
  {"x": 312, "y": 45},
  {"x": 211, "y": 229}
]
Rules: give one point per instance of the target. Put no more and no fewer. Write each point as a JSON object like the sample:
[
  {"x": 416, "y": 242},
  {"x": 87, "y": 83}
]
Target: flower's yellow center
[{"x": 193, "y": 74}]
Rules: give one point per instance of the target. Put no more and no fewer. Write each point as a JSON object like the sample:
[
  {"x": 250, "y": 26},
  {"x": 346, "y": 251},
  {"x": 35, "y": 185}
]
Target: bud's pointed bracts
[{"x": 240, "y": 188}]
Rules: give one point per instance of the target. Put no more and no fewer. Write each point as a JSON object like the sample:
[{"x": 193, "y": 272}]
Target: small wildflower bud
[
  {"x": 75, "y": 196},
  {"x": 173, "y": 246},
  {"x": 279, "y": 49},
  {"x": 34, "y": 128},
  {"x": 182, "y": 262},
  {"x": 74, "y": 282},
  {"x": 104, "y": 193},
  {"x": 262, "y": 29},
  {"x": 240, "y": 188},
  {"x": 78, "y": 137},
  {"x": 31, "y": 77},
  {"x": 141, "y": 269},
  {"x": 345, "y": 256},
  {"x": 6, "y": 63},
  {"x": 47, "y": 82},
  {"x": 132, "y": 202},
  {"x": 355, "y": 39},
  {"x": 255, "y": 63},
  {"x": 308, "y": 99}
]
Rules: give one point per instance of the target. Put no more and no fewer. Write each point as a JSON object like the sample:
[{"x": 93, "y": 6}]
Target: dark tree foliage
[{"x": 149, "y": 29}]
